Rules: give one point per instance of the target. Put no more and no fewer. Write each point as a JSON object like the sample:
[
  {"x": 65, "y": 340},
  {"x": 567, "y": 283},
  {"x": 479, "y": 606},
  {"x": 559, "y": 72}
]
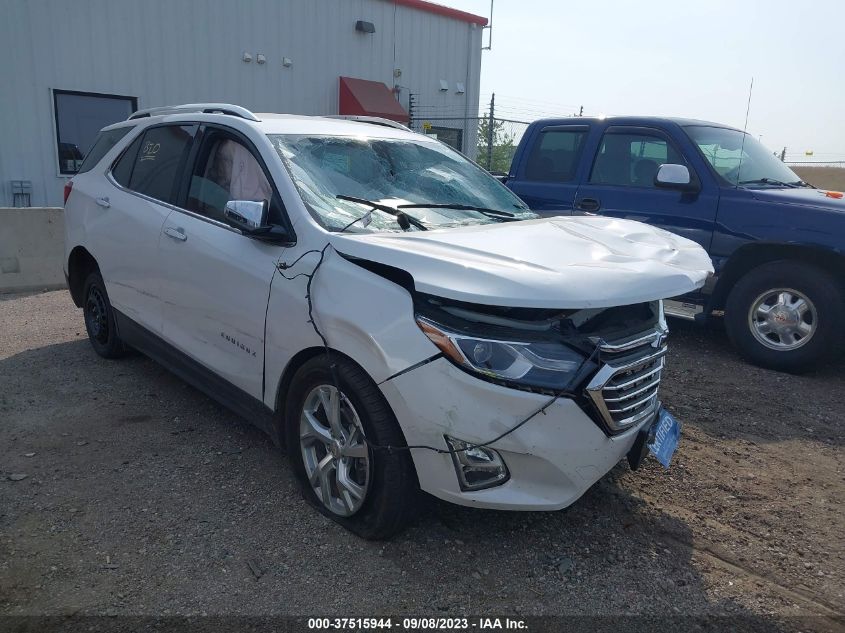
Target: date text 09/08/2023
[{"x": 417, "y": 624}]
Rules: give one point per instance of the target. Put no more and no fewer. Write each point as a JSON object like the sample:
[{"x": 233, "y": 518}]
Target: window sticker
[{"x": 149, "y": 151}]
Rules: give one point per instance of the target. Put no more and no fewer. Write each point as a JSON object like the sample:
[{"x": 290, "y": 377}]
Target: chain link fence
[{"x": 490, "y": 142}]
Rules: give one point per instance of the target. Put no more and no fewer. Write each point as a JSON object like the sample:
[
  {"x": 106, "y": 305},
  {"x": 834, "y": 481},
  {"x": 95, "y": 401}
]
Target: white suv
[{"x": 379, "y": 305}]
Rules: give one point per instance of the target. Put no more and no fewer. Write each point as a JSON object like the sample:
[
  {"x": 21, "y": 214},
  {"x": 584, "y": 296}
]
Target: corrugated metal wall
[{"x": 178, "y": 51}]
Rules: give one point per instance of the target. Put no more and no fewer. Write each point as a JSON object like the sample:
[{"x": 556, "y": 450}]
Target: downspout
[{"x": 465, "y": 148}]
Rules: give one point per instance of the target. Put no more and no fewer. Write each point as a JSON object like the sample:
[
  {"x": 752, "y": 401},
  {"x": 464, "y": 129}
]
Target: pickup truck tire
[
  {"x": 350, "y": 465},
  {"x": 99, "y": 318},
  {"x": 786, "y": 316}
]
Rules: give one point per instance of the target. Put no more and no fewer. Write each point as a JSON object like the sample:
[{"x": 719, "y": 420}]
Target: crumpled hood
[
  {"x": 566, "y": 262},
  {"x": 818, "y": 198}
]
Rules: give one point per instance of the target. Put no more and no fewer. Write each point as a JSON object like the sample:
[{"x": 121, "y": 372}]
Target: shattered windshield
[{"x": 392, "y": 172}]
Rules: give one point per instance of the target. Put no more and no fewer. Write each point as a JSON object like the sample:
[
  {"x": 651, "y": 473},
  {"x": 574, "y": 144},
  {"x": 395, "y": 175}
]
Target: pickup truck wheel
[
  {"x": 370, "y": 492},
  {"x": 99, "y": 318},
  {"x": 786, "y": 316}
]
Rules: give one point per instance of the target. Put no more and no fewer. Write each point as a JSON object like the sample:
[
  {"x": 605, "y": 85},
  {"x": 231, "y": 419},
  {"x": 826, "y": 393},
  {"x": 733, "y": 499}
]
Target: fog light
[{"x": 477, "y": 467}]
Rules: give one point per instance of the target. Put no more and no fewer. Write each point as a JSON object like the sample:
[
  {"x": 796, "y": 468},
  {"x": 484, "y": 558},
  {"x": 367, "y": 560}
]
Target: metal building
[{"x": 70, "y": 68}]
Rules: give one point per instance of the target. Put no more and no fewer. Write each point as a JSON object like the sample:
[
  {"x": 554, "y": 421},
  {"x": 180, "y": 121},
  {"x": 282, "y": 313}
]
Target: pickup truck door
[
  {"x": 217, "y": 281},
  {"x": 547, "y": 173},
  {"x": 620, "y": 183}
]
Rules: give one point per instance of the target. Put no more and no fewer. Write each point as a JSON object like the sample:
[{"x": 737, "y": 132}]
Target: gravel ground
[{"x": 144, "y": 497}]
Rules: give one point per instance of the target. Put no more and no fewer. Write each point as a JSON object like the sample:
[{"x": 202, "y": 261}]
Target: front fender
[{"x": 361, "y": 314}]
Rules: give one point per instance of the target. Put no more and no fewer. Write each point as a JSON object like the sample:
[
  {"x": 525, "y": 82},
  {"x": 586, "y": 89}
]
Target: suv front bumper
[{"x": 553, "y": 458}]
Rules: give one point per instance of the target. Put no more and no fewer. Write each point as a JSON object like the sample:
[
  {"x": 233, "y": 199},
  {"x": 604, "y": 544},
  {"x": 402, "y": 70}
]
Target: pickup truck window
[
  {"x": 554, "y": 158},
  {"x": 738, "y": 161},
  {"x": 390, "y": 172},
  {"x": 632, "y": 159}
]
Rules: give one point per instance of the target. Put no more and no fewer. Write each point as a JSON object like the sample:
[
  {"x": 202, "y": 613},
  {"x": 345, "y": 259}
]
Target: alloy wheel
[
  {"x": 782, "y": 319},
  {"x": 334, "y": 452}
]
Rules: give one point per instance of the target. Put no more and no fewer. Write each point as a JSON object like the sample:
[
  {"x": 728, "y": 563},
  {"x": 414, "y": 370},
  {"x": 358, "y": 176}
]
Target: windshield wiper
[
  {"x": 768, "y": 181},
  {"x": 403, "y": 219},
  {"x": 490, "y": 213}
]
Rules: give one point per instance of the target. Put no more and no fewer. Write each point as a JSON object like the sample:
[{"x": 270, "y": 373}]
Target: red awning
[{"x": 371, "y": 98}]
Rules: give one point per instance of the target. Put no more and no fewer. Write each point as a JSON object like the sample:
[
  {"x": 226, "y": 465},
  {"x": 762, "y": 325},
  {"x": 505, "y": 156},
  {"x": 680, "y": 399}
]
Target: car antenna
[{"x": 744, "y": 134}]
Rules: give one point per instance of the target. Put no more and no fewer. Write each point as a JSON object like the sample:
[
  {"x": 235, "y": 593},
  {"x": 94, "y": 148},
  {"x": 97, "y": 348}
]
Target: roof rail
[
  {"x": 374, "y": 120},
  {"x": 207, "y": 108}
]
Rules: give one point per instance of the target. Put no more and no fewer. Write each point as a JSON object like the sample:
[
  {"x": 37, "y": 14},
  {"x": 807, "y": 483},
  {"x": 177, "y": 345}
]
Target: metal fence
[
  {"x": 491, "y": 142},
  {"x": 816, "y": 163}
]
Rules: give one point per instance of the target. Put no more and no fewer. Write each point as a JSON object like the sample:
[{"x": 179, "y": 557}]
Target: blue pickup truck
[{"x": 777, "y": 243}]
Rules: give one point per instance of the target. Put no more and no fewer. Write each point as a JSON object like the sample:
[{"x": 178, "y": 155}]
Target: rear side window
[
  {"x": 152, "y": 164},
  {"x": 102, "y": 144},
  {"x": 555, "y": 156},
  {"x": 122, "y": 171}
]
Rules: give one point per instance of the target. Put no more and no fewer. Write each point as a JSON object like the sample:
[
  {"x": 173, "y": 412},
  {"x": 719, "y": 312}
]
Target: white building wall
[{"x": 177, "y": 51}]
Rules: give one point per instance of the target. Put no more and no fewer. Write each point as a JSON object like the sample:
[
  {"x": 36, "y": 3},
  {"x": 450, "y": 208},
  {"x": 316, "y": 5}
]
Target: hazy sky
[{"x": 679, "y": 58}]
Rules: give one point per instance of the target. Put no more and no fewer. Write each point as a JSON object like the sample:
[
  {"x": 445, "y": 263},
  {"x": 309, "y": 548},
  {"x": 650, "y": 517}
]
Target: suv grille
[{"x": 624, "y": 390}]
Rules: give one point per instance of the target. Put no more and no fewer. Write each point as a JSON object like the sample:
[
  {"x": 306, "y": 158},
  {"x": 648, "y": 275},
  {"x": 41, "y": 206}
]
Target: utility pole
[
  {"x": 490, "y": 129},
  {"x": 581, "y": 111},
  {"x": 783, "y": 155}
]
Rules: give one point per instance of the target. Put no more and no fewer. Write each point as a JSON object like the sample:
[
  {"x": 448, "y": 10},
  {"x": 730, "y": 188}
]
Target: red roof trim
[{"x": 439, "y": 9}]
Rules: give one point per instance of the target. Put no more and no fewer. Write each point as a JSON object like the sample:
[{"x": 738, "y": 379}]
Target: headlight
[{"x": 545, "y": 365}]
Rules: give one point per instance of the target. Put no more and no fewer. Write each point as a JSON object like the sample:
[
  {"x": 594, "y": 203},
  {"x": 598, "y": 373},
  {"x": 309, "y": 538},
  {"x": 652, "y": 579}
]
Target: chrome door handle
[
  {"x": 103, "y": 202},
  {"x": 176, "y": 234}
]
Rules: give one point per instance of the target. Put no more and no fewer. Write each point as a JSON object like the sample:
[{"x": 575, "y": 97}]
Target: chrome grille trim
[
  {"x": 625, "y": 388},
  {"x": 652, "y": 383}
]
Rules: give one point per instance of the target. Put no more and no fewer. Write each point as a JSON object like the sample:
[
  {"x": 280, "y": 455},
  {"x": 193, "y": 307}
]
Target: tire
[
  {"x": 99, "y": 318},
  {"x": 387, "y": 479},
  {"x": 801, "y": 306}
]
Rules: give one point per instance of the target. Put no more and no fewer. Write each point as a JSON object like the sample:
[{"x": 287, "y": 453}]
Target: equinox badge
[{"x": 237, "y": 343}]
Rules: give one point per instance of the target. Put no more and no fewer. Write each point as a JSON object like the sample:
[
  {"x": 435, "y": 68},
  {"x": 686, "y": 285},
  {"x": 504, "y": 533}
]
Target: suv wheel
[
  {"x": 786, "y": 316},
  {"x": 370, "y": 492},
  {"x": 99, "y": 318}
]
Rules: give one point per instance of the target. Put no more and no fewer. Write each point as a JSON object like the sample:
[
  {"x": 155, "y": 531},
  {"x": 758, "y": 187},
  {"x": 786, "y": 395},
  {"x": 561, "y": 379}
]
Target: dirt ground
[
  {"x": 144, "y": 497},
  {"x": 822, "y": 177}
]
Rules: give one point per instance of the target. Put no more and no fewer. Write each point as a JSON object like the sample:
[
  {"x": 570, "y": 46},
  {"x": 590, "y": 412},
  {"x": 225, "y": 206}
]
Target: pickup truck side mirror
[{"x": 671, "y": 176}]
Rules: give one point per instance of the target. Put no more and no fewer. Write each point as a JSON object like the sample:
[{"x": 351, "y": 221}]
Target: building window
[
  {"x": 79, "y": 117},
  {"x": 453, "y": 137}
]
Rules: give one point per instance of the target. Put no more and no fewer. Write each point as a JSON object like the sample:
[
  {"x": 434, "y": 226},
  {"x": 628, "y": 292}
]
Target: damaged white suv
[{"x": 378, "y": 304}]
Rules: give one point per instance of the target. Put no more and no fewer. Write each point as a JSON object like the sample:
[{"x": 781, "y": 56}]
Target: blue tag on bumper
[{"x": 667, "y": 434}]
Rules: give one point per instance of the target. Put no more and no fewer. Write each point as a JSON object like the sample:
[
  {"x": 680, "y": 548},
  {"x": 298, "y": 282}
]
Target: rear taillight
[{"x": 68, "y": 189}]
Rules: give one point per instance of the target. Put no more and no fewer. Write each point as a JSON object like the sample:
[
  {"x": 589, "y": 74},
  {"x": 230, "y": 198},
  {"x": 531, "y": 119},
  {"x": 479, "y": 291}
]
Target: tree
[{"x": 503, "y": 145}]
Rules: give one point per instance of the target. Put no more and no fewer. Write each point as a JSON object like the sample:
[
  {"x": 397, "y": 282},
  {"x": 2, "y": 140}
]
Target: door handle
[
  {"x": 103, "y": 202},
  {"x": 587, "y": 204},
  {"x": 176, "y": 234}
]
